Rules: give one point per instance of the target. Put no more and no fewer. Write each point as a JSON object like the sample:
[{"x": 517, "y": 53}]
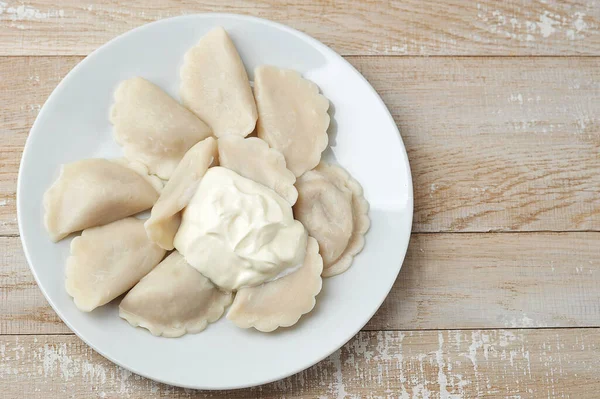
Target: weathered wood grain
[
  {"x": 453, "y": 281},
  {"x": 351, "y": 27},
  {"x": 507, "y": 144},
  {"x": 448, "y": 281},
  {"x": 428, "y": 364},
  {"x": 495, "y": 144},
  {"x": 24, "y": 310}
]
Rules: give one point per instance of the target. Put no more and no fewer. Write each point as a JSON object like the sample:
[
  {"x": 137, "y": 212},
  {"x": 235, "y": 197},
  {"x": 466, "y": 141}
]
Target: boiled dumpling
[
  {"x": 282, "y": 302},
  {"x": 214, "y": 85},
  {"x": 143, "y": 171},
  {"x": 333, "y": 209},
  {"x": 165, "y": 216},
  {"x": 253, "y": 159},
  {"x": 325, "y": 209},
  {"x": 93, "y": 192},
  {"x": 292, "y": 116},
  {"x": 107, "y": 261},
  {"x": 153, "y": 128},
  {"x": 174, "y": 299}
]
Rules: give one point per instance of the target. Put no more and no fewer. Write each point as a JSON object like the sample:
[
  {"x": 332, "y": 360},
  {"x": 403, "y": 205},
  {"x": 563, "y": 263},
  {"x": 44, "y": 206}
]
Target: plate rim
[{"x": 210, "y": 15}]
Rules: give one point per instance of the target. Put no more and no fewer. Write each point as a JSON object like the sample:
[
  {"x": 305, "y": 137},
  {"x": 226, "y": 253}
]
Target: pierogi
[
  {"x": 333, "y": 209},
  {"x": 214, "y": 85},
  {"x": 292, "y": 116},
  {"x": 252, "y": 158},
  {"x": 165, "y": 216},
  {"x": 282, "y": 302},
  {"x": 174, "y": 299},
  {"x": 107, "y": 261},
  {"x": 93, "y": 192},
  {"x": 152, "y": 127}
]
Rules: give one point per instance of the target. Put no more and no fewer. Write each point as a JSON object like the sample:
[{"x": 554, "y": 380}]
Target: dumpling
[
  {"x": 333, "y": 209},
  {"x": 292, "y": 116},
  {"x": 107, "y": 261},
  {"x": 325, "y": 209},
  {"x": 143, "y": 171},
  {"x": 174, "y": 299},
  {"x": 93, "y": 192},
  {"x": 214, "y": 85},
  {"x": 282, "y": 302},
  {"x": 165, "y": 216},
  {"x": 153, "y": 128},
  {"x": 253, "y": 159}
]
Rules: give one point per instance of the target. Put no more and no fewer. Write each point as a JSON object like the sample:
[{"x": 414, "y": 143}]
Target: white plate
[{"x": 73, "y": 124}]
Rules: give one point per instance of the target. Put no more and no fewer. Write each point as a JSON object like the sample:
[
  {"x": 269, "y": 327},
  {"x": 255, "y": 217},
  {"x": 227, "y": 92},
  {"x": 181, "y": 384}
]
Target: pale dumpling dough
[
  {"x": 174, "y": 299},
  {"x": 333, "y": 209},
  {"x": 282, "y": 302},
  {"x": 252, "y": 158},
  {"x": 292, "y": 116},
  {"x": 165, "y": 216},
  {"x": 94, "y": 192},
  {"x": 143, "y": 171},
  {"x": 214, "y": 85},
  {"x": 107, "y": 261},
  {"x": 152, "y": 127}
]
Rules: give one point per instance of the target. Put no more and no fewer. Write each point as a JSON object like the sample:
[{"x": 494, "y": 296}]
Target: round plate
[{"x": 73, "y": 124}]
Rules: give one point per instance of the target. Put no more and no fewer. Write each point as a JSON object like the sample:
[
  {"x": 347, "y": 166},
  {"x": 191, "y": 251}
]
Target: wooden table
[{"x": 498, "y": 104}]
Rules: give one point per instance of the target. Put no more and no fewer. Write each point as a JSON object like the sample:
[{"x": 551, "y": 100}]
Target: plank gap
[{"x": 417, "y": 330}]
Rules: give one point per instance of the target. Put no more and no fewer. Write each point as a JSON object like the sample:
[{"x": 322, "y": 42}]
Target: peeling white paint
[
  {"x": 518, "y": 98},
  {"x": 400, "y": 49},
  {"x": 442, "y": 378},
  {"x": 27, "y": 13},
  {"x": 547, "y": 24},
  {"x": 56, "y": 359},
  {"x": 339, "y": 387},
  {"x": 579, "y": 24},
  {"x": 522, "y": 321}
]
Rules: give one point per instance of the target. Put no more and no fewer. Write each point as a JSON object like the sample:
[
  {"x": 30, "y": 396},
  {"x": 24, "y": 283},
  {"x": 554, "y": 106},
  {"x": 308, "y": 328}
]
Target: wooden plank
[
  {"x": 24, "y": 308},
  {"x": 506, "y": 144},
  {"x": 448, "y": 281},
  {"x": 374, "y": 27},
  {"x": 497, "y": 144},
  {"x": 498, "y": 280},
  {"x": 428, "y": 364}
]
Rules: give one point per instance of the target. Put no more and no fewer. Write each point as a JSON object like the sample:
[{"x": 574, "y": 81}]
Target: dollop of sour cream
[{"x": 239, "y": 233}]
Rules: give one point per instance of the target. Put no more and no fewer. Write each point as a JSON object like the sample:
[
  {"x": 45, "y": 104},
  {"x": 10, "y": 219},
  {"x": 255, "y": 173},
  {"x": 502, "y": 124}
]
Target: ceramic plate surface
[{"x": 73, "y": 124}]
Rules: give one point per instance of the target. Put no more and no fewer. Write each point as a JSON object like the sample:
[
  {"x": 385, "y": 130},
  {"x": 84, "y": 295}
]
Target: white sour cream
[{"x": 239, "y": 233}]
